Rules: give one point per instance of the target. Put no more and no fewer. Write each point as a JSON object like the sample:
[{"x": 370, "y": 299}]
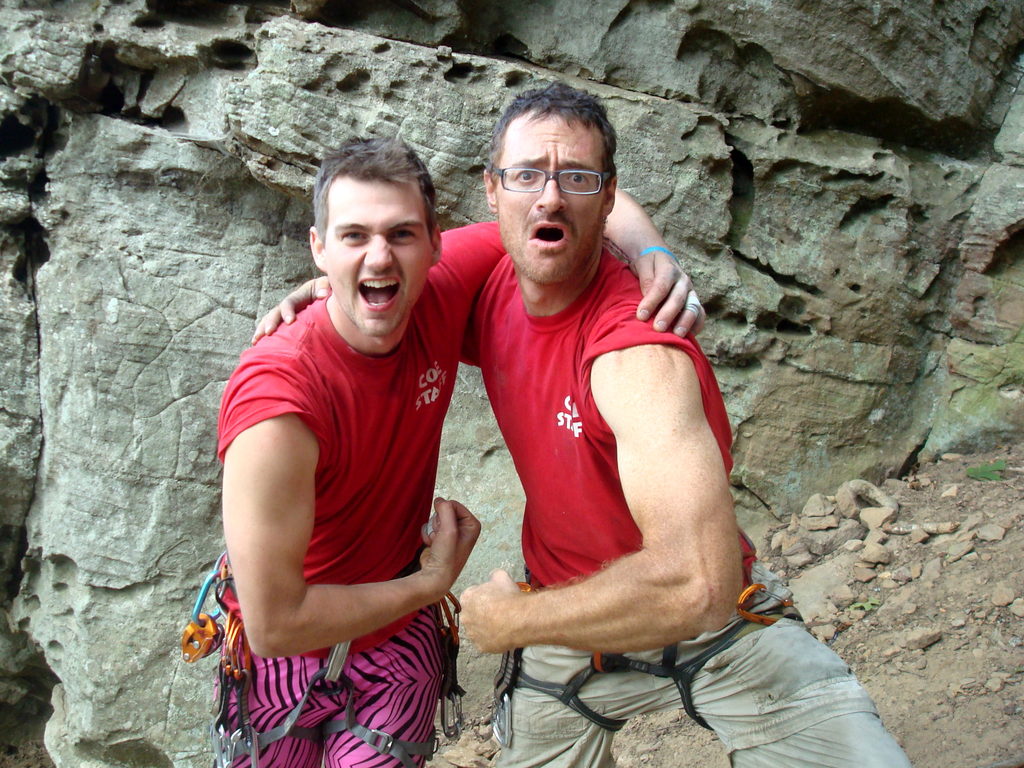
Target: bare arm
[
  {"x": 269, "y": 507},
  {"x": 290, "y": 305},
  {"x": 666, "y": 288},
  {"x": 686, "y": 578}
]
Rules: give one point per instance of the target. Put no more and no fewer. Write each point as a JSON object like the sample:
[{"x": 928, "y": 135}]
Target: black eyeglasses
[{"x": 573, "y": 181}]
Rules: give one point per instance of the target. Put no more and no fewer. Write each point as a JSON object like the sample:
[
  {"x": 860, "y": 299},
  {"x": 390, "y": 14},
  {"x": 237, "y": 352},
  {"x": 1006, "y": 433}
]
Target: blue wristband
[{"x": 645, "y": 251}]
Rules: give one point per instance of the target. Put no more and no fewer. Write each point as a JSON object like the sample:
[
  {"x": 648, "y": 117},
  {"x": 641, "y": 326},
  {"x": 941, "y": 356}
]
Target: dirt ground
[
  {"x": 933, "y": 626},
  {"x": 936, "y": 634}
]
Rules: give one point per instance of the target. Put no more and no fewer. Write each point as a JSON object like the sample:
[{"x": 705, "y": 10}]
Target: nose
[
  {"x": 378, "y": 253},
  {"x": 551, "y": 197}
]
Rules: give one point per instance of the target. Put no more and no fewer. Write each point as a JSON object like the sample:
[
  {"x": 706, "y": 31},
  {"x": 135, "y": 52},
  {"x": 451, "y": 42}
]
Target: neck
[
  {"x": 364, "y": 344},
  {"x": 550, "y": 298}
]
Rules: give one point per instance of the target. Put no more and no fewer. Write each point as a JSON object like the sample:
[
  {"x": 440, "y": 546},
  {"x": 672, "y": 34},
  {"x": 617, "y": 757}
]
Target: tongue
[{"x": 378, "y": 295}]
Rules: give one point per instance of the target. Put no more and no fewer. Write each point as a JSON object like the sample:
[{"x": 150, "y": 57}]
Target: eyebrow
[
  {"x": 407, "y": 223},
  {"x": 573, "y": 165}
]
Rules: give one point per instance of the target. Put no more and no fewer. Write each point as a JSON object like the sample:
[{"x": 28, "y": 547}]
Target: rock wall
[{"x": 845, "y": 184}]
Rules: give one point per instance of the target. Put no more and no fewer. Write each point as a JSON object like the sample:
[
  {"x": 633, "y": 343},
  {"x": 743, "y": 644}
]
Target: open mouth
[
  {"x": 549, "y": 233},
  {"x": 377, "y": 292}
]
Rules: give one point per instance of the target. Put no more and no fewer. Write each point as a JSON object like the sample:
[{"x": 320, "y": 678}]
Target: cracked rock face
[{"x": 850, "y": 212}]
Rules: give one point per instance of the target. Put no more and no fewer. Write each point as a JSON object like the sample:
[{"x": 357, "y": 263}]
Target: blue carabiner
[{"x": 203, "y": 592}]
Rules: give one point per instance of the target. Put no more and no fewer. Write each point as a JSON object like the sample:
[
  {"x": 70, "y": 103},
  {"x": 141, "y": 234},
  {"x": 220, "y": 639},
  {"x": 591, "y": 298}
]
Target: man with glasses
[{"x": 621, "y": 440}]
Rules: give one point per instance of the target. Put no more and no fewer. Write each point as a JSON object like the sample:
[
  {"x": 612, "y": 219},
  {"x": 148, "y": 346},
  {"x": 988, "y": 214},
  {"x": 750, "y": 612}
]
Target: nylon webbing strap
[
  {"x": 569, "y": 695},
  {"x": 684, "y": 673},
  {"x": 681, "y": 674},
  {"x": 382, "y": 742},
  {"x": 287, "y": 726}
]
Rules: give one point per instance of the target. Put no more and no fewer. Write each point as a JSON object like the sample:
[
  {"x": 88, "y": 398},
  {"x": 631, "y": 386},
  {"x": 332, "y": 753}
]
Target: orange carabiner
[
  {"x": 757, "y": 618},
  {"x": 451, "y": 615},
  {"x": 236, "y": 659}
]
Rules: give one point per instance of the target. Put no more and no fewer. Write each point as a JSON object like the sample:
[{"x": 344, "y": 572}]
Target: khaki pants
[{"x": 777, "y": 697}]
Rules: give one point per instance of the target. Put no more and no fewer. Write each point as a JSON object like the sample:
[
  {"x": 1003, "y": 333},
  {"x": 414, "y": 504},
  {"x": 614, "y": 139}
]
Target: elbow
[
  {"x": 719, "y": 607},
  {"x": 267, "y": 639},
  {"x": 708, "y": 606},
  {"x": 719, "y": 596}
]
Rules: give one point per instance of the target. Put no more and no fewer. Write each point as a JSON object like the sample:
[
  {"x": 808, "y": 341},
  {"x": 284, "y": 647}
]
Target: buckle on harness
[
  {"x": 380, "y": 741},
  {"x": 244, "y": 741}
]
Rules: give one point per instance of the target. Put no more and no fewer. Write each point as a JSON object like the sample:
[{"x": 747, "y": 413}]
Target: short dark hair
[
  {"x": 557, "y": 100},
  {"x": 389, "y": 160}
]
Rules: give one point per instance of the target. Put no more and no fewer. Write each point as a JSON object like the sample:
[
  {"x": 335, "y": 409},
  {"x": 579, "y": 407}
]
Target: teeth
[{"x": 379, "y": 283}]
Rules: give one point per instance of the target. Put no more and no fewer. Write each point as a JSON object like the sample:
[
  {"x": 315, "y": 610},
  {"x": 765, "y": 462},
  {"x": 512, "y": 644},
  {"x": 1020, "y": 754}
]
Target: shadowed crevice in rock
[
  {"x": 28, "y": 681},
  {"x": 1008, "y": 253},
  {"x": 741, "y": 204},
  {"x": 509, "y": 45},
  {"x": 29, "y": 131},
  {"x": 15, "y": 136},
  {"x": 892, "y": 121},
  {"x": 231, "y": 54},
  {"x": 35, "y": 252},
  {"x": 911, "y": 462},
  {"x": 192, "y": 12},
  {"x": 15, "y": 544},
  {"x": 785, "y": 280}
]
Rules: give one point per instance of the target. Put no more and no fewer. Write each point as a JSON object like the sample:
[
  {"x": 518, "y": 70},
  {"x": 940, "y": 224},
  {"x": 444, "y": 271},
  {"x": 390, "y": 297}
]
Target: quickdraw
[{"x": 451, "y": 694}]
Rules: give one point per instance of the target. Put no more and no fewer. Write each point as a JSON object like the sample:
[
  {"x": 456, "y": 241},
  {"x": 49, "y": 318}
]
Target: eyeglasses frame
[{"x": 549, "y": 175}]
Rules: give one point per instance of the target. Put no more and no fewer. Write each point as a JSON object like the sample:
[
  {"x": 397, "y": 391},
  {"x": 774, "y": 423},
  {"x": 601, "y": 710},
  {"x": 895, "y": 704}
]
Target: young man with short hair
[{"x": 329, "y": 432}]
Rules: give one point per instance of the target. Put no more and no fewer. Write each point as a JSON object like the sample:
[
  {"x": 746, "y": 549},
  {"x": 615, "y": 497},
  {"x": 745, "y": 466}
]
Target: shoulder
[
  {"x": 285, "y": 355},
  {"x": 643, "y": 372},
  {"x": 648, "y": 395},
  {"x": 468, "y": 256},
  {"x": 282, "y": 373},
  {"x": 472, "y": 236}
]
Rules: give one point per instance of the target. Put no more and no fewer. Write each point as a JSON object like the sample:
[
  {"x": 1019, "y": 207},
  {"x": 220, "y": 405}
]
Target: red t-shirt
[
  {"x": 377, "y": 421},
  {"x": 537, "y": 373}
]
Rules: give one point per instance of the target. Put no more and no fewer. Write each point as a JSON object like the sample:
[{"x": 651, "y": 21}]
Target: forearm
[
  {"x": 634, "y": 604},
  {"x": 322, "y": 615},
  {"x": 630, "y": 228}
]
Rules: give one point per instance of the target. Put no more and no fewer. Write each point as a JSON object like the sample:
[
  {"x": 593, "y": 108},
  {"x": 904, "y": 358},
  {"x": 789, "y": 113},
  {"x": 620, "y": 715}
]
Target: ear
[
  {"x": 491, "y": 187},
  {"x": 435, "y": 241},
  {"x": 608, "y": 190},
  {"x": 316, "y": 247}
]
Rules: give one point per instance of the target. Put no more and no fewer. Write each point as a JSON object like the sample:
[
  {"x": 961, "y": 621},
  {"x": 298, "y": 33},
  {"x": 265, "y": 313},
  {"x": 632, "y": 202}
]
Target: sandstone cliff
[{"x": 845, "y": 183}]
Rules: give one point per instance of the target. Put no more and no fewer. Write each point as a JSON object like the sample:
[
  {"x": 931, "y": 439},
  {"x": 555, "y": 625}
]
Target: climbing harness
[
  {"x": 682, "y": 673},
  {"x": 757, "y": 606},
  {"x": 223, "y": 630}
]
